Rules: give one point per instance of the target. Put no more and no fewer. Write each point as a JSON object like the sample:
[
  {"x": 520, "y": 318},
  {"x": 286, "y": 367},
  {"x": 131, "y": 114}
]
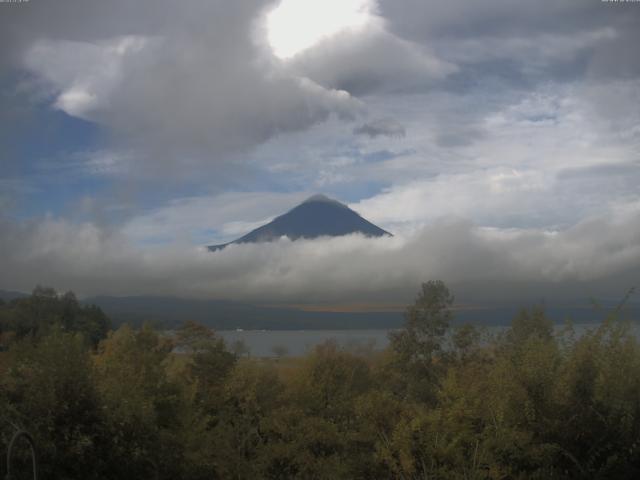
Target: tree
[
  {"x": 466, "y": 341},
  {"x": 142, "y": 406},
  {"x": 315, "y": 433},
  {"x": 50, "y": 392},
  {"x": 329, "y": 380},
  {"x": 418, "y": 345},
  {"x": 239, "y": 438},
  {"x": 528, "y": 324},
  {"x": 36, "y": 315},
  {"x": 208, "y": 363}
]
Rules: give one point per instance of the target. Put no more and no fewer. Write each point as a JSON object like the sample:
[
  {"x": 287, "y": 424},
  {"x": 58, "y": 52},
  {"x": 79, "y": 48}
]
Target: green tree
[
  {"x": 418, "y": 347},
  {"x": 49, "y": 390},
  {"x": 142, "y": 406},
  {"x": 36, "y": 315},
  {"x": 207, "y": 365},
  {"x": 317, "y": 435},
  {"x": 240, "y": 437}
]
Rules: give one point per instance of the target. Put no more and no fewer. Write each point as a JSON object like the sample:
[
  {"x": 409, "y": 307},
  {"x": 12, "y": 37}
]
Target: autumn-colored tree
[
  {"x": 440, "y": 402},
  {"x": 49, "y": 390},
  {"x": 142, "y": 407},
  {"x": 418, "y": 346}
]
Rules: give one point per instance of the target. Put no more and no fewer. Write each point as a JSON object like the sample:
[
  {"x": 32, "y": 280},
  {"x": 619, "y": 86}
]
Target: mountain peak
[
  {"x": 317, "y": 216},
  {"x": 320, "y": 197}
]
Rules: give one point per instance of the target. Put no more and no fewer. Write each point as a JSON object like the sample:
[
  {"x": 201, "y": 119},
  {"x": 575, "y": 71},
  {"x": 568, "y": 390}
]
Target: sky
[{"x": 498, "y": 140}]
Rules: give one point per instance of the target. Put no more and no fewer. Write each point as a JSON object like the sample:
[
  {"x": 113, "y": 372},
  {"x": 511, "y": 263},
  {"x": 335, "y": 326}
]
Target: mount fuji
[{"x": 318, "y": 216}]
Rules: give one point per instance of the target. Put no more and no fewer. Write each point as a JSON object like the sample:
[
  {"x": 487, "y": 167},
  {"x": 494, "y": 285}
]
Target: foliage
[
  {"x": 141, "y": 406},
  {"x": 442, "y": 402},
  {"x": 418, "y": 346},
  {"x": 48, "y": 389},
  {"x": 45, "y": 309}
]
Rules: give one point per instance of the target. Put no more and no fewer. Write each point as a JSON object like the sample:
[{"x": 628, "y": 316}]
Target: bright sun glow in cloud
[{"x": 295, "y": 25}]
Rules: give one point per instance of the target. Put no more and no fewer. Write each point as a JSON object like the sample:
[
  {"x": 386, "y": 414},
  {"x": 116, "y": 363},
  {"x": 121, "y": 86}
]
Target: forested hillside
[{"x": 440, "y": 402}]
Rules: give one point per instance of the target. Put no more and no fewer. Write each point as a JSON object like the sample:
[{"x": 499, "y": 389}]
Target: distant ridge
[
  {"x": 317, "y": 216},
  {"x": 8, "y": 295}
]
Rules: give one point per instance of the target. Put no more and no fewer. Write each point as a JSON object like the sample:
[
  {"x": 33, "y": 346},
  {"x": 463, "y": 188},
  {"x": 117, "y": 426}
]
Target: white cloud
[
  {"x": 523, "y": 120},
  {"x": 499, "y": 197},
  {"x": 200, "y": 91},
  {"x": 544, "y": 158},
  {"x": 597, "y": 256},
  {"x": 295, "y": 25},
  {"x": 84, "y": 74},
  {"x": 209, "y": 219},
  {"x": 193, "y": 94}
]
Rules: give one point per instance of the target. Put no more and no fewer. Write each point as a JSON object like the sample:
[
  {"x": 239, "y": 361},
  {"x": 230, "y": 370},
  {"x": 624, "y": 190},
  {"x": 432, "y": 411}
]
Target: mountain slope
[{"x": 317, "y": 216}]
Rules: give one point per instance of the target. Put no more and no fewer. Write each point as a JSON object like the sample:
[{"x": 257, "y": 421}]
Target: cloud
[
  {"x": 523, "y": 46},
  {"x": 382, "y": 127},
  {"x": 497, "y": 158},
  {"x": 208, "y": 219},
  {"x": 170, "y": 105},
  {"x": 505, "y": 197},
  {"x": 295, "y": 25},
  {"x": 599, "y": 256},
  {"x": 523, "y": 121},
  {"x": 371, "y": 61},
  {"x": 197, "y": 87},
  {"x": 198, "y": 90},
  {"x": 186, "y": 87},
  {"x": 84, "y": 75},
  {"x": 534, "y": 55}
]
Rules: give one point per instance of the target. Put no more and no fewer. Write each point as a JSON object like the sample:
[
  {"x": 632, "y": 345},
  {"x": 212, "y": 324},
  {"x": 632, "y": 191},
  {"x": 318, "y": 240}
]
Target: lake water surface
[{"x": 261, "y": 343}]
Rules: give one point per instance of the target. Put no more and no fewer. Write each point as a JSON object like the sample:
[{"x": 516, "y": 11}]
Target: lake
[{"x": 261, "y": 343}]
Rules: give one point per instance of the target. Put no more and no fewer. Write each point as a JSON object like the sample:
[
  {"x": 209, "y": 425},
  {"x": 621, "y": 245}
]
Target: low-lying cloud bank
[{"x": 599, "y": 256}]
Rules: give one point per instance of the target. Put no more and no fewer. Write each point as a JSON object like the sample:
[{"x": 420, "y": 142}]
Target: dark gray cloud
[
  {"x": 528, "y": 42},
  {"x": 195, "y": 85},
  {"x": 520, "y": 117},
  {"x": 372, "y": 61},
  {"x": 385, "y": 127},
  {"x": 185, "y": 84},
  {"x": 424, "y": 20}
]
